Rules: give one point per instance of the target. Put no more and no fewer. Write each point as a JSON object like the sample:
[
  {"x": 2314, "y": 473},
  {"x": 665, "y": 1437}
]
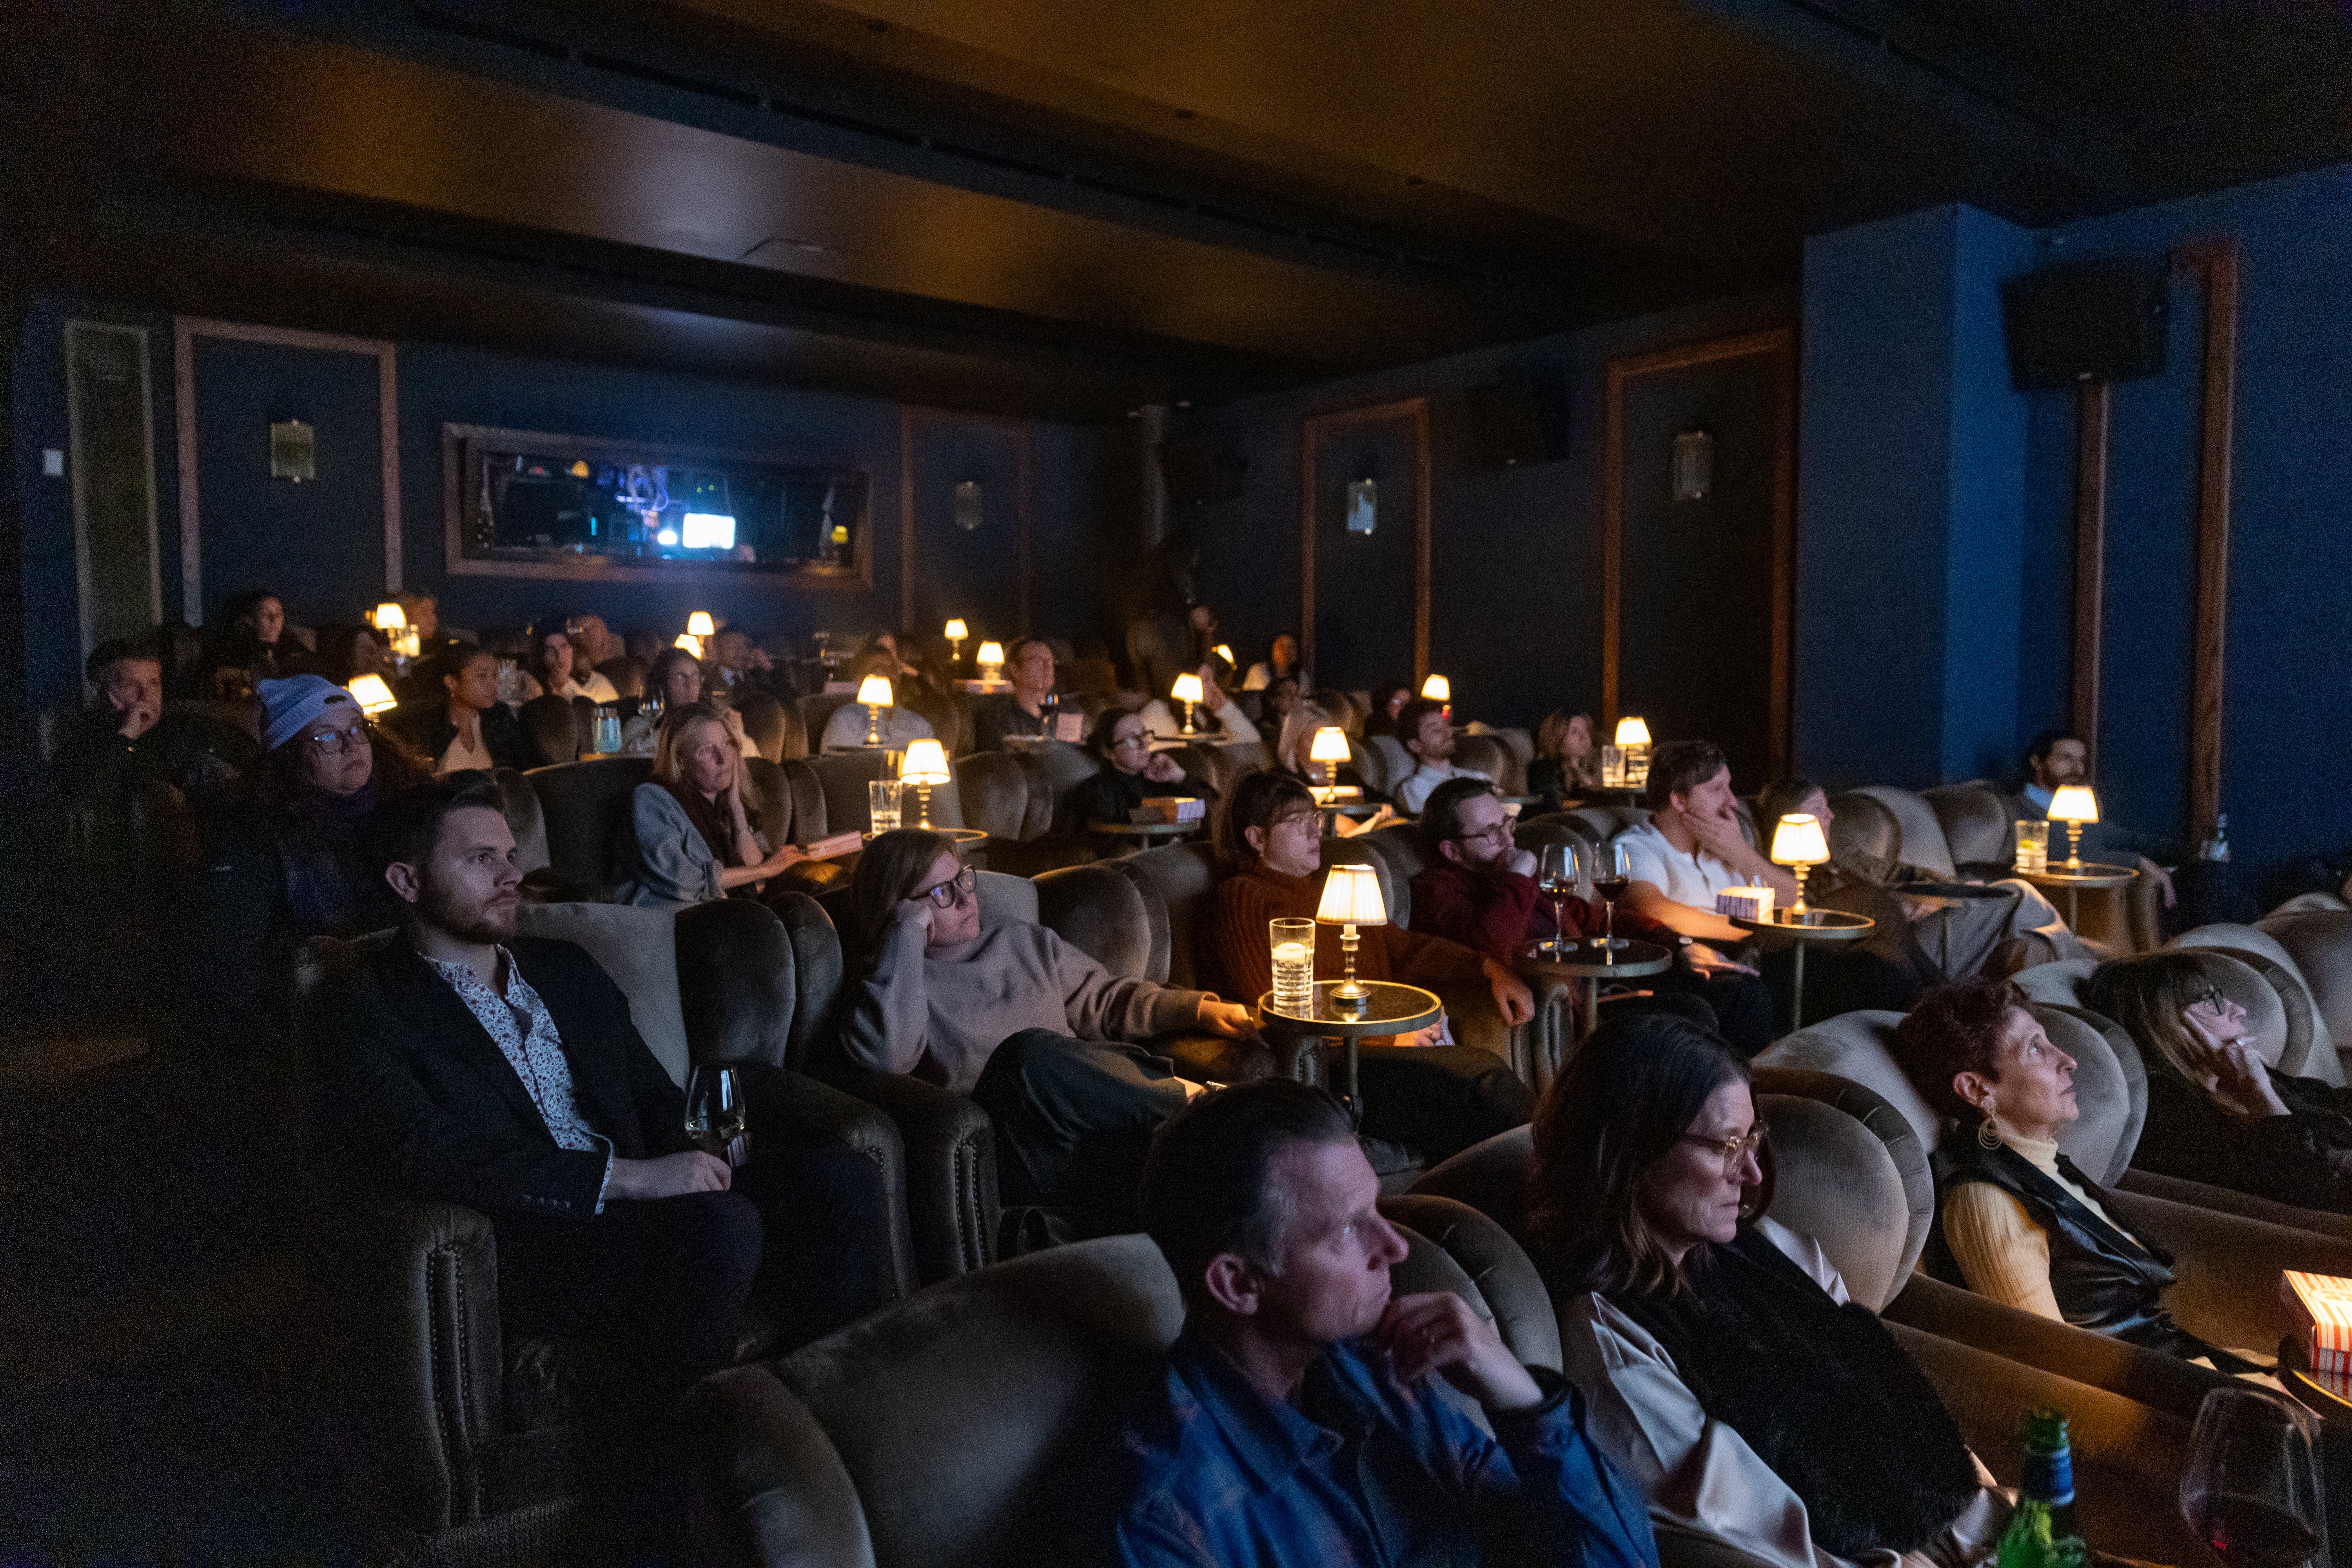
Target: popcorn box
[
  {"x": 1747, "y": 903},
  {"x": 1172, "y": 809},
  {"x": 2322, "y": 1306}
]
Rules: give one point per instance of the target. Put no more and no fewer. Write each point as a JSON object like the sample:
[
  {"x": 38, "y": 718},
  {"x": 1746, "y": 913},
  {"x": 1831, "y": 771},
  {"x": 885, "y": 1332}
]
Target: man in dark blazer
[{"x": 470, "y": 1065}]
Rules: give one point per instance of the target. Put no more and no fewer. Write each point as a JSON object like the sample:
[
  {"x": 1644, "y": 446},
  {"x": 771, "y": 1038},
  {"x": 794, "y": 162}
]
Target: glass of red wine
[
  {"x": 2252, "y": 1488},
  {"x": 1611, "y": 879}
]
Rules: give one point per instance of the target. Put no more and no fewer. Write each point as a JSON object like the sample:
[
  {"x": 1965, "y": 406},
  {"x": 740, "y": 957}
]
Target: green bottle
[{"x": 2041, "y": 1532}]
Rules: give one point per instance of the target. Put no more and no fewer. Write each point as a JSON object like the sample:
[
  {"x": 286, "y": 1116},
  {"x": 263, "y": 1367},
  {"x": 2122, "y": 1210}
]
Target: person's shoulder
[{"x": 559, "y": 960}]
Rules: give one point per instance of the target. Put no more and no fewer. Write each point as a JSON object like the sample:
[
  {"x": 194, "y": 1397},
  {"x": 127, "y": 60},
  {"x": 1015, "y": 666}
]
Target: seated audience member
[
  {"x": 1131, "y": 772},
  {"x": 470, "y": 1066},
  {"x": 1216, "y": 717},
  {"x": 1288, "y": 721},
  {"x": 347, "y": 652},
  {"x": 1724, "y": 1370},
  {"x": 1026, "y": 710},
  {"x": 471, "y": 729},
  {"x": 672, "y": 679},
  {"x": 1420, "y": 1090},
  {"x": 739, "y": 665},
  {"x": 2218, "y": 1109},
  {"x": 692, "y": 836},
  {"x": 1476, "y": 886},
  {"x": 1388, "y": 701},
  {"x": 1426, "y": 733},
  {"x": 110, "y": 752},
  {"x": 1281, "y": 659},
  {"x": 256, "y": 647},
  {"x": 1034, "y": 1030},
  {"x": 2055, "y": 760},
  {"x": 847, "y": 729},
  {"x": 2016, "y": 1220},
  {"x": 1264, "y": 1206},
  {"x": 1566, "y": 764},
  {"x": 432, "y": 639},
  {"x": 592, "y": 643},
  {"x": 1692, "y": 848},
  {"x": 646, "y": 644},
  {"x": 555, "y": 665}
]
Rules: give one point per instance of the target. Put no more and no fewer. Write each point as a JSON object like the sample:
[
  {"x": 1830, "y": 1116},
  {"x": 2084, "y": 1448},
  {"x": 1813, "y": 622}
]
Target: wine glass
[
  {"x": 715, "y": 1114},
  {"x": 1615, "y": 874},
  {"x": 2252, "y": 1488},
  {"x": 1558, "y": 873}
]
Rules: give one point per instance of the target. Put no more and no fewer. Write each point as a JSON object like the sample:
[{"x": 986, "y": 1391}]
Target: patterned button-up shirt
[{"x": 526, "y": 1036}]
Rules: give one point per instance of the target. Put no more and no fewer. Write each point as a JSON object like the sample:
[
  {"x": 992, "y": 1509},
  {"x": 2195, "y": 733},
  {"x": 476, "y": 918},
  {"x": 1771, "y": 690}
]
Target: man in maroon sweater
[{"x": 1478, "y": 887}]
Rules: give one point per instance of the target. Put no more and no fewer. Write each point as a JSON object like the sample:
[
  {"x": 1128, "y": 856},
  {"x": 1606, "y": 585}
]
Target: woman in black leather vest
[{"x": 2016, "y": 1220}]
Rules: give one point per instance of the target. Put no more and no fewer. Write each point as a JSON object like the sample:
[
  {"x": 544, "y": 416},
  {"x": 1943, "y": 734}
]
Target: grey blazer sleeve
[{"x": 673, "y": 866}]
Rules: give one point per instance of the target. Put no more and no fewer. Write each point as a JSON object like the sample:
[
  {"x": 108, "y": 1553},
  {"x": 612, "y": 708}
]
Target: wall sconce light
[
  {"x": 875, "y": 692},
  {"x": 967, "y": 505},
  {"x": 293, "y": 451},
  {"x": 1694, "y": 465},
  {"x": 1363, "y": 506}
]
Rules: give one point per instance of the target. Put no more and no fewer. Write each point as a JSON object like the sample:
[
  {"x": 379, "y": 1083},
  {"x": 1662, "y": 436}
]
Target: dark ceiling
[{"x": 1067, "y": 206}]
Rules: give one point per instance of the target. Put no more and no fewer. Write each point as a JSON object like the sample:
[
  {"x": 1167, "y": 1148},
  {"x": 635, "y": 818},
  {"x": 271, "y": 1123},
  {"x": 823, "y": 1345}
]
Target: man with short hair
[
  {"x": 125, "y": 740},
  {"x": 2058, "y": 758},
  {"x": 465, "y": 1065},
  {"x": 1309, "y": 1416},
  {"x": 1692, "y": 848},
  {"x": 1476, "y": 886},
  {"x": 1426, "y": 733},
  {"x": 591, "y": 640},
  {"x": 739, "y": 665},
  {"x": 1022, "y": 710}
]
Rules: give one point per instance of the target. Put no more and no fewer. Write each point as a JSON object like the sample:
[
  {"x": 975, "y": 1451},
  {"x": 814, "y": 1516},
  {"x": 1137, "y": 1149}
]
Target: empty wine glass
[
  {"x": 2252, "y": 1488},
  {"x": 1615, "y": 874},
  {"x": 1559, "y": 870},
  {"x": 715, "y": 1111}
]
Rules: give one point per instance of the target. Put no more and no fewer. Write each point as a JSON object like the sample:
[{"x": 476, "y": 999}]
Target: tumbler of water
[
  {"x": 608, "y": 730},
  {"x": 1293, "y": 943},
  {"x": 882, "y": 805},
  {"x": 2032, "y": 844}
]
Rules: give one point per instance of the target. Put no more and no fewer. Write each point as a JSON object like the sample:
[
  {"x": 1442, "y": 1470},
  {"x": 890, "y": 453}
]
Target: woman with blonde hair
[{"x": 692, "y": 837}]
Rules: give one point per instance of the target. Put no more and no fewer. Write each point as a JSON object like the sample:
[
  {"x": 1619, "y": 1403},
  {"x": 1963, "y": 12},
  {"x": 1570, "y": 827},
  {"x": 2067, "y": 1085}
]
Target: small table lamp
[
  {"x": 925, "y": 765},
  {"x": 1351, "y": 898},
  {"x": 390, "y": 617},
  {"x": 1437, "y": 688},
  {"x": 1634, "y": 745},
  {"x": 955, "y": 634},
  {"x": 2074, "y": 804},
  {"x": 990, "y": 661},
  {"x": 690, "y": 642},
  {"x": 403, "y": 639},
  {"x": 1328, "y": 747},
  {"x": 876, "y": 693},
  {"x": 1798, "y": 843},
  {"x": 700, "y": 624},
  {"x": 371, "y": 694},
  {"x": 1187, "y": 690},
  {"x": 1225, "y": 652}
]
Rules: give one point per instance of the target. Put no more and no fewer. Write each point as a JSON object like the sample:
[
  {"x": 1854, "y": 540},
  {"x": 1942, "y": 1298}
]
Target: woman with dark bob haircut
[
  {"x": 1725, "y": 1369},
  {"x": 2219, "y": 1111},
  {"x": 2015, "y": 1219},
  {"x": 1131, "y": 772}
]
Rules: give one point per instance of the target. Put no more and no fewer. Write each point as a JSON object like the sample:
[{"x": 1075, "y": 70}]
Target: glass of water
[
  {"x": 1293, "y": 944},
  {"x": 882, "y": 805},
  {"x": 2032, "y": 844}
]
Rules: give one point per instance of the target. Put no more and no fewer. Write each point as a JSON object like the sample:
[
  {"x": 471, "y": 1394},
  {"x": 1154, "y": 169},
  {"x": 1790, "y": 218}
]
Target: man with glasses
[
  {"x": 1029, "y": 708},
  {"x": 1478, "y": 887},
  {"x": 1038, "y": 1034}
]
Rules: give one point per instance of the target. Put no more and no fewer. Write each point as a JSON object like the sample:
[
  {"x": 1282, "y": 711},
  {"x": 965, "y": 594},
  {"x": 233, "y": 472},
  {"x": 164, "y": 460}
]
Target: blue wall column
[{"x": 1911, "y": 502}]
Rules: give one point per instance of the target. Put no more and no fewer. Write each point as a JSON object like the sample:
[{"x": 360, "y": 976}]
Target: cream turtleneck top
[{"x": 2002, "y": 1254}]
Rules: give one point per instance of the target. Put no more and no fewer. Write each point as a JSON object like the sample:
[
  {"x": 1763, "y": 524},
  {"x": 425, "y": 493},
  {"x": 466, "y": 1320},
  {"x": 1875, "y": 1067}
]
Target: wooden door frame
[
  {"x": 1779, "y": 343},
  {"x": 185, "y": 330},
  {"x": 1311, "y": 429},
  {"x": 1024, "y": 432}
]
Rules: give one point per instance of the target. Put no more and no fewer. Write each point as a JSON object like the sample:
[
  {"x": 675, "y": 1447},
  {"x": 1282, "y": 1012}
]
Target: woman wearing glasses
[
  {"x": 1724, "y": 1368},
  {"x": 1037, "y": 1033},
  {"x": 2015, "y": 1220},
  {"x": 1131, "y": 771},
  {"x": 2218, "y": 1111}
]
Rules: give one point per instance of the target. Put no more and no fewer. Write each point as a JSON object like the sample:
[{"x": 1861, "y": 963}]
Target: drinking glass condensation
[
  {"x": 2033, "y": 846},
  {"x": 882, "y": 804},
  {"x": 1293, "y": 944}
]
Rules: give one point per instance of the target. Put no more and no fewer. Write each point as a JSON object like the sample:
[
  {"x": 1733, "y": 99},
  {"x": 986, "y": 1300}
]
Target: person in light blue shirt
[{"x": 1305, "y": 1414}]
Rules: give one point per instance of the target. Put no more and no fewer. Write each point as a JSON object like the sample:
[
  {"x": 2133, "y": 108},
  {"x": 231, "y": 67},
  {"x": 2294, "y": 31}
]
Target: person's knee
[
  {"x": 720, "y": 1233},
  {"x": 1020, "y": 1066}
]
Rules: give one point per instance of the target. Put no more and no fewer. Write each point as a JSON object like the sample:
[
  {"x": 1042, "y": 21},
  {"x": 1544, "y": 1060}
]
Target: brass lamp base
[
  {"x": 873, "y": 725},
  {"x": 1347, "y": 992},
  {"x": 2073, "y": 846}
]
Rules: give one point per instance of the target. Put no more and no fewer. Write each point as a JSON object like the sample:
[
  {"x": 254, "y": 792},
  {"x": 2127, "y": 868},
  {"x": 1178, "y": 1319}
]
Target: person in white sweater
[{"x": 1034, "y": 1030}]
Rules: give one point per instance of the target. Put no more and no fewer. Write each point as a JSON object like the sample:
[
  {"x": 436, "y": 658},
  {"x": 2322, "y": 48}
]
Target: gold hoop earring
[{"x": 1988, "y": 1136}]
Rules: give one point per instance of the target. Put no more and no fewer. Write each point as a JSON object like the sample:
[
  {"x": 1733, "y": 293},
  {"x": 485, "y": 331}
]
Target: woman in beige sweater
[{"x": 2017, "y": 1221}]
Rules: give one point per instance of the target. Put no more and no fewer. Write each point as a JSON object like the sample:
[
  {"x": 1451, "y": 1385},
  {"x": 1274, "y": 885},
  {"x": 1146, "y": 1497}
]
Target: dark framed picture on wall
[{"x": 529, "y": 503}]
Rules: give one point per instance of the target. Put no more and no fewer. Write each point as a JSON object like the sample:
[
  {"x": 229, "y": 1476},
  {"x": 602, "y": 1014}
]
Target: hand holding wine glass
[
  {"x": 2252, "y": 1488},
  {"x": 716, "y": 1115}
]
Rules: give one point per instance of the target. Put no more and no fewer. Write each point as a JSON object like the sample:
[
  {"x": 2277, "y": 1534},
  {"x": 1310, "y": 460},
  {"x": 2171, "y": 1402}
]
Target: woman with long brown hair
[
  {"x": 692, "y": 836},
  {"x": 1724, "y": 1368},
  {"x": 1567, "y": 764}
]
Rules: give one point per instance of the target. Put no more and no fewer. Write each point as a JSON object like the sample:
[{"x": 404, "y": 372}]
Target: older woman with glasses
[
  {"x": 1131, "y": 772},
  {"x": 1724, "y": 1367},
  {"x": 2218, "y": 1111},
  {"x": 1037, "y": 1033}
]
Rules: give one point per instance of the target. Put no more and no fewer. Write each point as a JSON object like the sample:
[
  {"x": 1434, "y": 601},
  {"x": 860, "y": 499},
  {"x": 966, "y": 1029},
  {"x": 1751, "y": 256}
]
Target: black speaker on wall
[
  {"x": 1519, "y": 419},
  {"x": 2100, "y": 321},
  {"x": 1201, "y": 471}
]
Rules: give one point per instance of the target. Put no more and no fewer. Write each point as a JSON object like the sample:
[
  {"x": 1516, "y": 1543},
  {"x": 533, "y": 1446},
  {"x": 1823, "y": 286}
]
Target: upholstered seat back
[
  {"x": 1396, "y": 763},
  {"x": 1608, "y": 821},
  {"x": 843, "y": 776},
  {"x": 1485, "y": 754},
  {"x": 1396, "y": 853},
  {"x": 1923, "y": 835},
  {"x": 1849, "y": 1170},
  {"x": 1978, "y": 828},
  {"x": 2320, "y": 943},
  {"x": 1003, "y": 897},
  {"x": 553, "y": 727},
  {"x": 1104, "y": 915},
  {"x": 1859, "y": 1046},
  {"x": 520, "y": 804},
  {"x": 1055, "y": 769},
  {"x": 1180, "y": 879},
  {"x": 2060, "y": 983},
  {"x": 639, "y": 948},
  {"x": 2112, "y": 1107},
  {"x": 993, "y": 789},
  {"x": 2310, "y": 1045},
  {"x": 1863, "y": 830},
  {"x": 771, "y": 727},
  {"x": 586, "y": 808}
]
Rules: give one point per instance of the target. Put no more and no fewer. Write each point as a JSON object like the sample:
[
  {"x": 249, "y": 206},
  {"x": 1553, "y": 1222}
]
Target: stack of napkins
[
  {"x": 2322, "y": 1306},
  {"x": 1744, "y": 903},
  {"x": 1172, "y": 809}
]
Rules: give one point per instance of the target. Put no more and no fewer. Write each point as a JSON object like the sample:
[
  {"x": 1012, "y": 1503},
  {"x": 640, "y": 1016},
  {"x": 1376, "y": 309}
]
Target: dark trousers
[
  {"x": 1436, "y": 1099},
  {"x": 1741, "y": 1003},
  {"x": 1074, "y": 1119}
]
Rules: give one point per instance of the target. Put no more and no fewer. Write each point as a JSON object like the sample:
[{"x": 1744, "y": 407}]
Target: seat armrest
[
  {"x": 2228, "y": 1267},
  {"x": 2147, "y": 1377},
  {"x": 415, "y": 1355},
  {"x": 950, "y": 1163},
  {"x": 1212, "y": 1058},
  {"x": 766, "y": 1484},
  {"x": 789, "y": 1108},
  {"x": 2197, "y": 1194},
  {"x": 1470, "y": 1007},
  {"x": 1551, "y": 1037}
]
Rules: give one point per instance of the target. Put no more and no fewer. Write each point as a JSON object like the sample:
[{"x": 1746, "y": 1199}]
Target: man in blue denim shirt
[{"x": 1310, "y": 1419}]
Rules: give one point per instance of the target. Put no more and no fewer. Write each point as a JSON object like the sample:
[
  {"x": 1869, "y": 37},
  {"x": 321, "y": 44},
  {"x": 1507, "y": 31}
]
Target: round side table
[
  {"x": 1149, "y": 833},
  {"x": 1814, "y": 925},
  {"x": 1585, "y": 960},
  {"x": 2076, "y": 876},
  {"x": 1389, "y": 1008}
]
